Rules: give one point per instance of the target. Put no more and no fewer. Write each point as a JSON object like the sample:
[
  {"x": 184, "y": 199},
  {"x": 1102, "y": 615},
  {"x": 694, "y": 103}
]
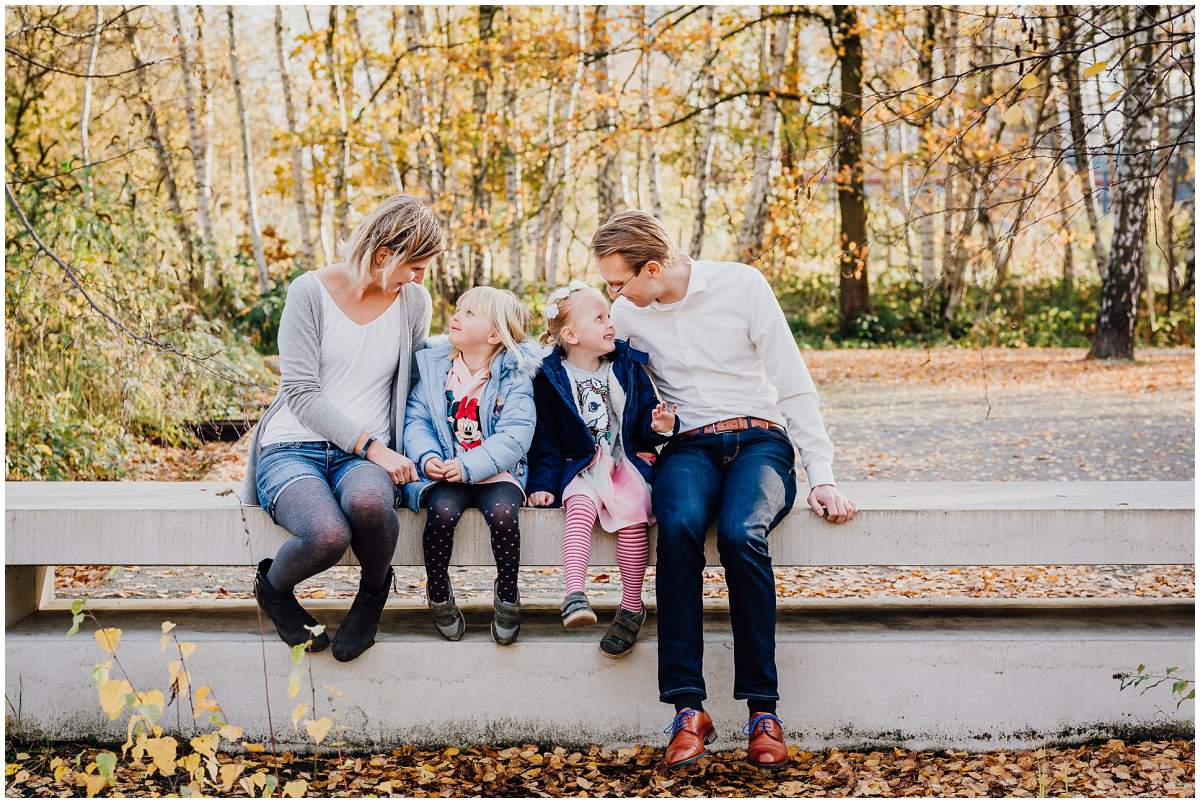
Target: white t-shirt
[
  {"x": 600, "y": 400},
  {"x": 725, "y": 350},
  {"x": 358, "y": 366}
]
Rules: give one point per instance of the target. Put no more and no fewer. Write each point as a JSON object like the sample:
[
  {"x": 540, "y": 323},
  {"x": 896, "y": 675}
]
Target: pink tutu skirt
[{"x": 616, "y": 489}]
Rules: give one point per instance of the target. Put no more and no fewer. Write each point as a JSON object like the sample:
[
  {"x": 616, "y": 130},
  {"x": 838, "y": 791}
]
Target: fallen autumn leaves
[{"x": 1112, "y": 769}]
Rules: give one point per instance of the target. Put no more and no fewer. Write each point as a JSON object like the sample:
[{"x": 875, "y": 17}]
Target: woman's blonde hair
[
  {"x": 503, "y": 310},
  {"x": 402, "y": 223},
  {"x": 561, "y": 317}
]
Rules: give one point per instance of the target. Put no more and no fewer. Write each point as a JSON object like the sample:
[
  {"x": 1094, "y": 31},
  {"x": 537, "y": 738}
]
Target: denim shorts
[{"x": 281, "y": 464}]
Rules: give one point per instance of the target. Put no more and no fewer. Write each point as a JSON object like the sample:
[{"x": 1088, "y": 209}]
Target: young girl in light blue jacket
[{"x": 468, "y": 426}]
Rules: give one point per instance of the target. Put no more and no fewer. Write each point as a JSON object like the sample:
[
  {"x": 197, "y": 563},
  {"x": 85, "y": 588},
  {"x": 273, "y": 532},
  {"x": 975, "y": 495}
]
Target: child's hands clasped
[
  {"x": 541, "y": 499},
  {"x": 449, "y": 471},
  {"x": 663, "y": 418}
]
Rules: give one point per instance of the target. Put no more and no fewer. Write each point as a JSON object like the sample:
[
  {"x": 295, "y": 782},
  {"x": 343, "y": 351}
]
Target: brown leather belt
[{"x": 733, "y": 425}]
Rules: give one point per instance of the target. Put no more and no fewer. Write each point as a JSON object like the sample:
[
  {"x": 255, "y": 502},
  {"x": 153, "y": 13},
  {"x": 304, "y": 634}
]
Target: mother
[{"x": 324, "y": 460}]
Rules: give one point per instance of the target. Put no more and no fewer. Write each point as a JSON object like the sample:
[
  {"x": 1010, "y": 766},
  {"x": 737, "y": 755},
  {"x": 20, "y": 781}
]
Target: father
[{"x": 720, "y": 348}]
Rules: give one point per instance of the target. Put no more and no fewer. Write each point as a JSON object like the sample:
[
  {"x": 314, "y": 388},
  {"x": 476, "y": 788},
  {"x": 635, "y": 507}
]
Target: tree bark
[
  {"x": 1168, "y": 181},
  {"x": 1122, "y": 280},
  {"x": 924, "y": 223},
  {"x": 418, "y": 97},
  {"x": 853, "y": 290},
  {"x": 953, "y": 261},
  {"x": 481, "y": 199},
  {"x": 566, "y": 145},
  {"x": 704, "y": 153},
  {"x": 260, "y": 259},
  {"x": 1082, "y": 155},
  {"x": 511, "y": 156},
  {"x": 751, "y": 234},
  {"x": 206, "y": 107},
  {"x": 610, "y": 174},
  {"x": 341, "y": 145},
  {"x": 196, "y": 141},
  {"x": 85, "y": 111},
  {"x": 303, "y": 216},
  {"x": 158, "y": 142},
  {"x": 385, "y": 141},
  {"x": 645, "y": 141}
]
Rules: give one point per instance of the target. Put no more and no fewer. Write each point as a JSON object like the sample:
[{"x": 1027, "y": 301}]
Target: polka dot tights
[{"x": 500, "y": 504}]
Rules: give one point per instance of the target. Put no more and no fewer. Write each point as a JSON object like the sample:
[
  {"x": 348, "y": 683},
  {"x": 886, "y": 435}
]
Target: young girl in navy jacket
[{"x": 598, "y": 422}]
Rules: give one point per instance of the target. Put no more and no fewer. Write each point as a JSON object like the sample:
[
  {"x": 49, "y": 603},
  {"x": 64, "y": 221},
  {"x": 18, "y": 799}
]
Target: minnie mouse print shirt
[{"x": 463, "y": 389}]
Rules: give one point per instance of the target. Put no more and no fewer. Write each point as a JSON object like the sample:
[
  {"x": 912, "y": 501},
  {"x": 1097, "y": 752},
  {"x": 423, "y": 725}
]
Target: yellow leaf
[
  {"x": 162, "y": 753},
  {"x": 253, "y": 747},
  {"x": 295, "y": 788},
  {"x": 151, "y": 704},
  {"x": 231, "y": 732},
  {"x": 203, "y": 703},
  {"x": 162, "y": 643},
  {"x": 298, "y": 712},
  {"x": 450, "y": 751},
  {"x": 112, "y": 696},
  {"x": 317, "y": 728},
  {"x": 1095, "y": 69},
  {"x": 94, "y": 784},
  {"x": 1014, "y": 115},
  {"x": 59, "y": 772},
  {"x": 11, "y": 769},
  {"x": 384, "y": 788},
  {"x": 108, "y": 638},
  {"x": 229, "y": 774},
  {"x": 1113, "y": 96},
  {"x": 186, "y": 648},
  {"x": 206, "y": 744},
  {"x": 1030, "y": 81},
  {"x": 293, "y": 686},
  {"x": 167, "y": 627},
  {"x": 190, "y": 763}
]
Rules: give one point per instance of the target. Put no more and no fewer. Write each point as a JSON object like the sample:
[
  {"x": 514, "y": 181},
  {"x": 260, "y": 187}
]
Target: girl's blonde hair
[
  {"x": 562, "y": 313},
  {"x": 402, "y": 223},
  {"x": 503, "y": 310}
]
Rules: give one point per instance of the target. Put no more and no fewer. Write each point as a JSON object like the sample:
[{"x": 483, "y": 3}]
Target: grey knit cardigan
[{"x": 299, "y": 371}]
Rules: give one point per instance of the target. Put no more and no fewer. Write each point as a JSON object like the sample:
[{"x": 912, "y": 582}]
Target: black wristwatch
[{"x": 366, "y": 446}]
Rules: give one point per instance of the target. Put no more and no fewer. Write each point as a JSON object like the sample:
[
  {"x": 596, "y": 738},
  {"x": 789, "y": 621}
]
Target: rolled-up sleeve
[{"x": 785, "y": 369}]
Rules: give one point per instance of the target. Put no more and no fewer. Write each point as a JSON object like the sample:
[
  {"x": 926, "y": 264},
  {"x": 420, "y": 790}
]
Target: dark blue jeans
[{"x": 746, "y": 482}]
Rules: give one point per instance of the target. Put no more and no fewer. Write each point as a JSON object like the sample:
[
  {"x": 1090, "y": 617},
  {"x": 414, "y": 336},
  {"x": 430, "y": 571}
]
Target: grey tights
[{"x": 359, "y": 514}]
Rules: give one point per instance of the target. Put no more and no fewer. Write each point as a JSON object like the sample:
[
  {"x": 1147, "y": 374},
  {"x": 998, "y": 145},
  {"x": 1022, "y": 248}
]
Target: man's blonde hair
[
  {"x": 402, "y": 223},
  {"x": 504, "y": 311},
  {"x": 638, "y": 237}
]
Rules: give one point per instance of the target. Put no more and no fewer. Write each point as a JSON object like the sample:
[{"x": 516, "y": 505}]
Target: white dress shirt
[{"x": 725, "y": 350}]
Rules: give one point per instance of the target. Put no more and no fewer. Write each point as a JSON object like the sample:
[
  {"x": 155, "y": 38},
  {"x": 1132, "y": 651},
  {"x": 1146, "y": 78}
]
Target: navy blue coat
[{"x": 562, "y": 444}]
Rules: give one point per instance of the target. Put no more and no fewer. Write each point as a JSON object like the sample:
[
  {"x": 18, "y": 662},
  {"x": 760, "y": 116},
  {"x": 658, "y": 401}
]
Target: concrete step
[{"x": 920, "y": 676}]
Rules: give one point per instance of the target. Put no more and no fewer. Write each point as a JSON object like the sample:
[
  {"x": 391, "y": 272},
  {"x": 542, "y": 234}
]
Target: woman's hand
[
  {"x": 541, "y": 499},
  {"x": 398, "y": 467},
  {"x": 663, "y": 419}
]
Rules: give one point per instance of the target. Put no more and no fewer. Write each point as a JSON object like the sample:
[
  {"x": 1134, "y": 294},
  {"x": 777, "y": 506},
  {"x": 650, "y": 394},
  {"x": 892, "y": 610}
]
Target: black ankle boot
[
  {"x": 357, "y": 632},
  {"x": 285, "y": 612}
]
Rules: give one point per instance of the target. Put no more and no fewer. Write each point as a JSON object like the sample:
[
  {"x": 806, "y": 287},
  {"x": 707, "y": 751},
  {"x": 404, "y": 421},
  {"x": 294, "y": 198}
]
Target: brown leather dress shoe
[
  {"x": 690, "y": 731},
  {"x": 767, "y": 748}
]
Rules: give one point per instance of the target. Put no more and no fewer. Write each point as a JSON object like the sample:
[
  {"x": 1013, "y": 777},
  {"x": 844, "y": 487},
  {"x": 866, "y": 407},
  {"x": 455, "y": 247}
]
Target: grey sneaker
[
  {"x": 506, "y": 619},
  {"x": 575, "y": 610},
  {"x": 447, "y": 618},
  {"x": 622, "y": 633}
]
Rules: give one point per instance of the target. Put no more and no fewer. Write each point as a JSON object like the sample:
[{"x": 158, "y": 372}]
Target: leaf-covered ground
[{"x": 1112, "y": 769}]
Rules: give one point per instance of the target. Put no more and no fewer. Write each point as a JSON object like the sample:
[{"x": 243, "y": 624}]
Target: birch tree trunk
[
  {"x": 260, "y": 259},
  {"x": 702, "y": 164},
  {"x": 481, "y": 200},
  {"x": 754, "y": 223},
  {"x": 341, "y": 145},
  {"x": 1168, "y": 181},
  {"x": 645, "y": 141},
  {"x": 196, "y": 141},
  {"x": 511, "y": 156},
  {"x": 385, "y": 141},
  {"x": 924, "y": 222},
  {"x": 610, "y": 175},
  {"x": 953, "y": 258},
  {"x": 1122, "y": 280},
  {"x": 303, "y": 216},
  {"x": 1068, "y": 38},
  {"x": 206, "y": 106},
  {"x": 854, "y": 298},
  {"x": 85, "y": 111},
  {"x": 159, "y": 143},
  {"x": 418, "y": 97}
]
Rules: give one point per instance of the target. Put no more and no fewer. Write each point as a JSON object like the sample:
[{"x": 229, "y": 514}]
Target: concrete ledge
[
  {"x": 972, "y": 677},
  {"x": 928, "y": 524}
]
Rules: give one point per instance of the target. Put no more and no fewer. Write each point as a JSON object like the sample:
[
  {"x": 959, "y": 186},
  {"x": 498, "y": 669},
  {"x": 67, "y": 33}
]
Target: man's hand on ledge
[{"x": 827, "y": 501}]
